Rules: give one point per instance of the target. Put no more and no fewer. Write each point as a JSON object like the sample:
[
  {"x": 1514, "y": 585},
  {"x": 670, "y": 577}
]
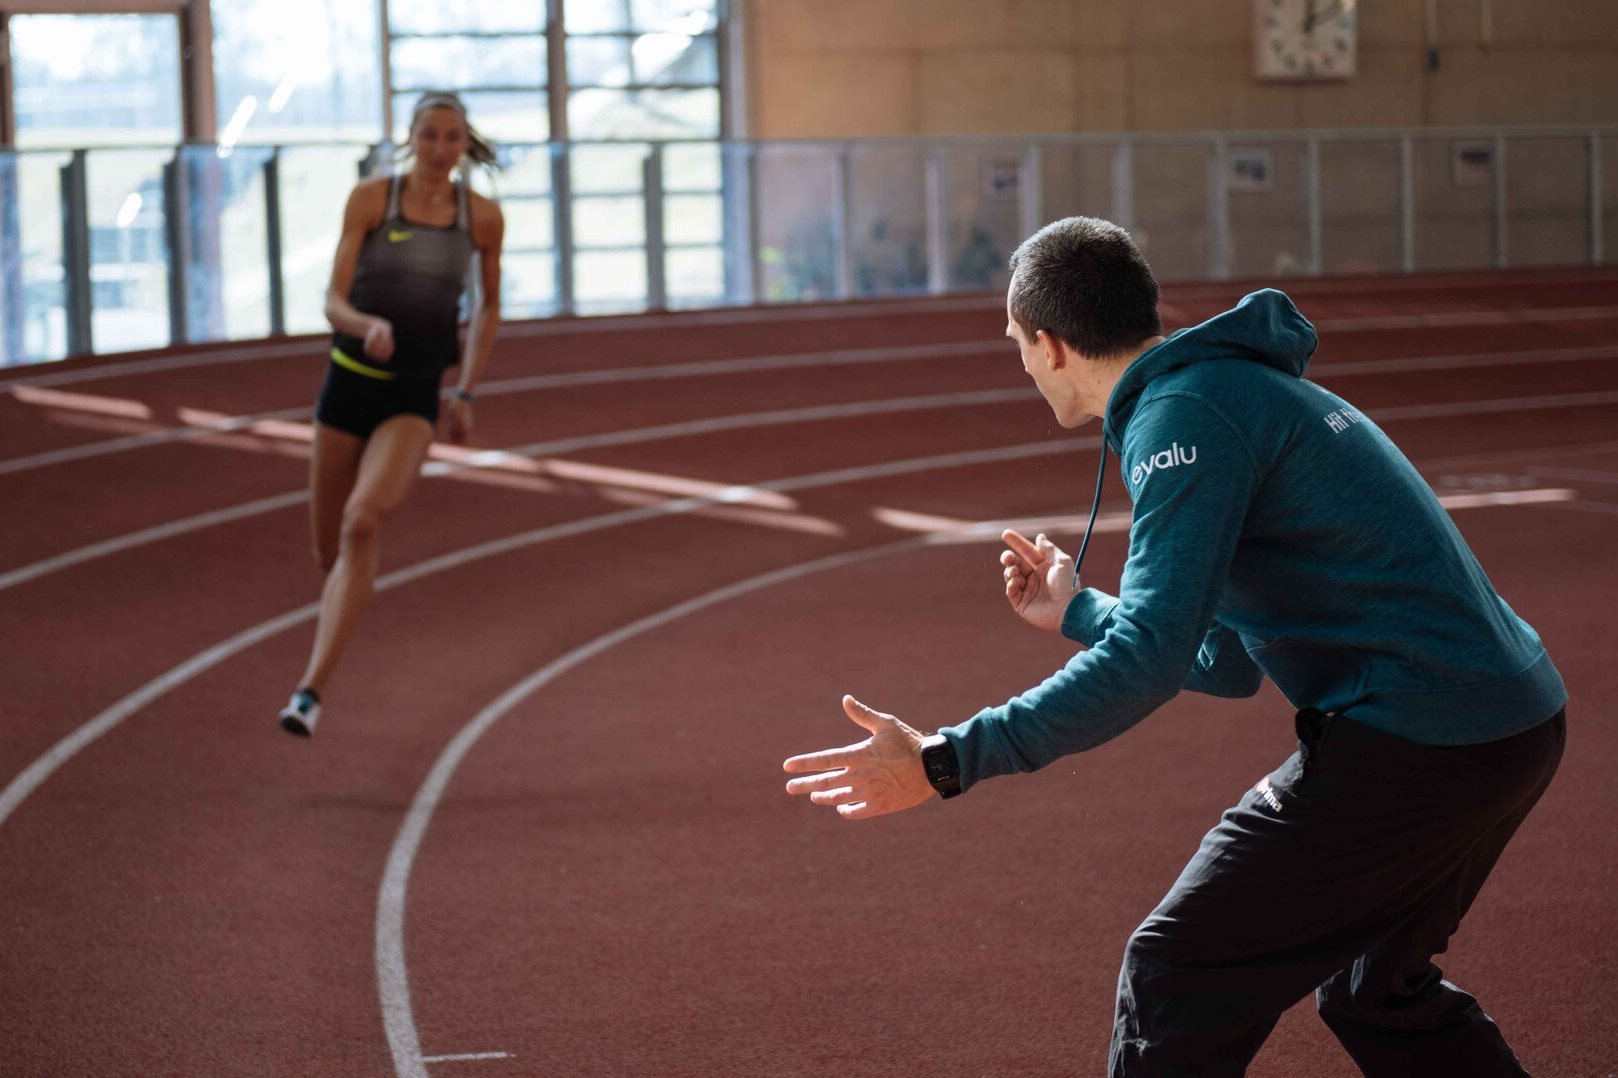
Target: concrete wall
[{"x": 861, "y": 68}]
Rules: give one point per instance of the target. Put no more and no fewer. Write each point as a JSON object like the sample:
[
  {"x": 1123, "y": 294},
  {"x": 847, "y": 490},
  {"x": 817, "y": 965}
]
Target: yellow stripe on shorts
[{"x": 348, "y": 362}]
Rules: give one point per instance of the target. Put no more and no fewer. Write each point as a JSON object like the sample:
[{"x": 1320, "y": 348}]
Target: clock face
[{"x": 1303, "y": 39}]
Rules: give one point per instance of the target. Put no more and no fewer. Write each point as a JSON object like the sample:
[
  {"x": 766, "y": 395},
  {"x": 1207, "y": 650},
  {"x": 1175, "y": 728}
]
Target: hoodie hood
[{"x": 1263, "y": 328}]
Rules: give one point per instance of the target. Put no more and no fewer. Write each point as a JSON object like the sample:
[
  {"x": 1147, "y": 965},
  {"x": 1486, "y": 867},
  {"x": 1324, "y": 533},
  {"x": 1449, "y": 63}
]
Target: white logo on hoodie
[{"x": 1169, "y": 458}]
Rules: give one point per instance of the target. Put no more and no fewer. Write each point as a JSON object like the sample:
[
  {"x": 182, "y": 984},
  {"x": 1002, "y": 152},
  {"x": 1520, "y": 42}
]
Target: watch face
[{"x": 1304, "y": 39}]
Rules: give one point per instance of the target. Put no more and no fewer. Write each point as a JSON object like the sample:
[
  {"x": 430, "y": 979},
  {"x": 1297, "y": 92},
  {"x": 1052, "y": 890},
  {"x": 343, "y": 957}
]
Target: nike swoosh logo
[{"x": 396, "y": 236}]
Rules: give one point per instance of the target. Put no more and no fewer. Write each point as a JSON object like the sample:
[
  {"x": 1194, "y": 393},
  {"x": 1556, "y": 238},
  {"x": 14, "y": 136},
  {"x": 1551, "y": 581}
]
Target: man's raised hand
[
  {"x": 879, "y": 775},
  {"x": 1039, "y": 579}
]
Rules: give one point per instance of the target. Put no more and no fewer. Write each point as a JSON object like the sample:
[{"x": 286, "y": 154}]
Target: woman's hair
[
  {"x": 480, "y": 151},
  {"x": 1083, "y": 280}
]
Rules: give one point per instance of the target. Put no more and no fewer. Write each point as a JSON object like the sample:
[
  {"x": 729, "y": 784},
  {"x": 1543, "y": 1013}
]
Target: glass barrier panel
[
  {"x": 36, "y": 322},
  {"x": 1548, "y": 201},
  {"x": 691, "y": 167},
  {"x": 1359, "y": 208},
  {"x": 11, "y": 264},
  {"x": 607, "y": 168},
  {"x": 888, "y": 222},
  {"x": 696, "y": 276},
  {"x": 315, "y": 184},
  {"x": 1076, "y": 180},
  {"x": 797, "y": 222},
  {"x": 1267, "y": 207},
  {"x": 41, "y": 309},
  {"x": 606, "y": 281},
  {"x": 499, "y": 115},
  {"x": 608, "y": 221},
  {"x": 522, "y": 186},
  {"x": 227, "y": 272},
  {"x": 527, "y": 283},
  {"x": 1454, "y": 195},
  {"x": 129, "y": 263},
  {"x": 983, "y": 192},
  {"x": 1170, "y": 198},
  {"x": 1609, "y": 200},
  {"x": 693, "y": 219}
]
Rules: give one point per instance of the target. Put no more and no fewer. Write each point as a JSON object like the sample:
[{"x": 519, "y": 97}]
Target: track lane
[{"x": 215, "y": 699}]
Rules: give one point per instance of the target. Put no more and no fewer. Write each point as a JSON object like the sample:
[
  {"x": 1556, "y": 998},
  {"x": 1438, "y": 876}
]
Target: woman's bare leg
[
  {"x": 388, "y": 467},
  {"x": 333, "y": 467}
]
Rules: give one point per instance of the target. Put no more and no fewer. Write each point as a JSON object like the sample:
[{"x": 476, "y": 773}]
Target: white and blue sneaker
[{"x": 301, "y": 713}]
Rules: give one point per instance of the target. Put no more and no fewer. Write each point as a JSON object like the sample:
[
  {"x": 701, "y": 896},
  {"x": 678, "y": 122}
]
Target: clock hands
[{"x": 1313, "y": 16}]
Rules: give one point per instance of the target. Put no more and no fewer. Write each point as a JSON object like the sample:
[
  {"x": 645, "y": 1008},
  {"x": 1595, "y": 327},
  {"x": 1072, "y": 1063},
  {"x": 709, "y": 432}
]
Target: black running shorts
[{"x": 358, "y": 403}]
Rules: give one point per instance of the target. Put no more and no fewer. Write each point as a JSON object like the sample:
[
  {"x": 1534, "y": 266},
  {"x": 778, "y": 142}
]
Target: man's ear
[{"x": 1051, "y": 350}]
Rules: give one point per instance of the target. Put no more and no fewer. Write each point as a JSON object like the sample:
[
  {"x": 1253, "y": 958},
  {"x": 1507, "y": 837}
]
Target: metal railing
[{"x": 119, "y": 249}]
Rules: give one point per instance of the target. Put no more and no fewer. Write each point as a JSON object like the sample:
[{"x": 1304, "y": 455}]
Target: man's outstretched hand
[
  {"x": 1039, "y": 579},
  {"x": 881, "y": 774}
]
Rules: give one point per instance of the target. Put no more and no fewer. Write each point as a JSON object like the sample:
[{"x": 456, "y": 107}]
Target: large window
[
  {"x": 645, "y": 71},
  {"x": 133, "y": 215}
]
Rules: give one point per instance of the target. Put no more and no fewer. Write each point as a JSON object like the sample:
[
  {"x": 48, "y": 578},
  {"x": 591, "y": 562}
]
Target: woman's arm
[
  {"x": 361, "y": 216},
  {"x": 488, "y": 234}
]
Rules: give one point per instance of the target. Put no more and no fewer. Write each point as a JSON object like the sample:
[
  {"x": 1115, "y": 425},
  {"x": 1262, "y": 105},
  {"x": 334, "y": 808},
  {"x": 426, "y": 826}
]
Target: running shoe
[{"x": 301, "y": 713}]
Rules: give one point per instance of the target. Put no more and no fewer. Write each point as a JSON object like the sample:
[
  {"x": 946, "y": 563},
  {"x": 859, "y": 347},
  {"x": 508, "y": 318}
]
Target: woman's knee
[{"x": 362, "y": 523}]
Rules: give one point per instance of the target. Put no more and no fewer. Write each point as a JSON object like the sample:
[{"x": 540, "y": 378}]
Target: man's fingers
[
  {"x": 809, "y": 784},
  {"x": 841, "y": 795},
  {"x": 1021, "y": 547},
  {"x": 825, "y": 760},
  {"x": 869, "y": 718}
]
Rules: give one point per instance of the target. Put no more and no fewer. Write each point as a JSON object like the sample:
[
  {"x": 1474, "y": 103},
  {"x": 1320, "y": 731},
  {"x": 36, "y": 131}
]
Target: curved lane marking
[
  {"x": 393, "y": 980},
  {"x": 490, "y": 457},
  {"x": 42, "y": 768}
]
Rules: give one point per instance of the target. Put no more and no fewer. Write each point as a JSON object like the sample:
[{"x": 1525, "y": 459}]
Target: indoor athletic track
[{"x": 542, "y": 829}]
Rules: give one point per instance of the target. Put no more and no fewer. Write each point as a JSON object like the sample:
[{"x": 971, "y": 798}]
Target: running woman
[{"x": 394, "y": 304}]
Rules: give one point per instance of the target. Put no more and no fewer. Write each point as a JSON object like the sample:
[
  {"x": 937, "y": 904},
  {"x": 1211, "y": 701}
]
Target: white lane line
[
  {"x": 496, "y": 458},
  {"x": 37, "y": 772},
  {"x": 393, "y": 981},
  {"x": 224, "y": 425},
  {"x": 1355, "y": 368},
  {"x": 898, "y": 354},
  {"x": 1483, "y": 499},
  {"x": 745, "y": 365},
  {"x": 783, "y": 314},
  {"x": 1585, "y": 474},
  {"x": 34, "y": 570},
  {"x": 313, "y": 344},
  {"x": 467, "y": 1057},
  {"x": 1496, "y": 406},
  {"x": 228, "y": 424},
  {"x": 117, "y": 369},
  {"x": 1496, "y": 316},
  {"x": 755, "y": 419}
]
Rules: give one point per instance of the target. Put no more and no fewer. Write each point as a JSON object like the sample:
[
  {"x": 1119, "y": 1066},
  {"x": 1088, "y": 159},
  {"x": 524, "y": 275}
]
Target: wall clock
[{"x": 1304, "y": 39}]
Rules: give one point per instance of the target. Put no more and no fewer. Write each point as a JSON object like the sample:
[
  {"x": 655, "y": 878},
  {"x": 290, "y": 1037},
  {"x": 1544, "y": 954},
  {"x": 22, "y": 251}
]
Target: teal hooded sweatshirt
[{"x": 1277, "y": 532}]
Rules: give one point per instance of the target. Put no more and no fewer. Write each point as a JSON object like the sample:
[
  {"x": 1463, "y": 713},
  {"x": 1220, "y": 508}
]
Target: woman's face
[{"x": 438, "y": 140}]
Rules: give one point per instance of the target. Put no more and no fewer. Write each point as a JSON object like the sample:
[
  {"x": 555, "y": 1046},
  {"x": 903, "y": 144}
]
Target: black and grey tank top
[{"x": 412, "y": 275}]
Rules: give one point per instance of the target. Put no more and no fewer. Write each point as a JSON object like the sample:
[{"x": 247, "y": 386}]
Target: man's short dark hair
[{"x": 1083, "y": 280}]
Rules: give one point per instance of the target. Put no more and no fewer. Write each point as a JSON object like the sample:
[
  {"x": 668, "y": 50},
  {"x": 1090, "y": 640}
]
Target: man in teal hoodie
[{"x": 1277, "y": 533}]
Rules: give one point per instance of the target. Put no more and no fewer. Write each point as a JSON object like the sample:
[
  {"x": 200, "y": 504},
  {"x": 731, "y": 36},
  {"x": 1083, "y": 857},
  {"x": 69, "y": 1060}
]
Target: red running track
[{"x": 541, "y": 829}]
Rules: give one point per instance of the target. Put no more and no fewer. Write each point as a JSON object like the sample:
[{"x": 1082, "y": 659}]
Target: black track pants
[{"x": 1343, "y": 872}]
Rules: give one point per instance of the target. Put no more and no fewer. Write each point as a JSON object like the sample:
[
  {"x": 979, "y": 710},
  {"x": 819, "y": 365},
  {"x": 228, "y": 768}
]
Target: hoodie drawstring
[{"x": 1101, "y": 478}]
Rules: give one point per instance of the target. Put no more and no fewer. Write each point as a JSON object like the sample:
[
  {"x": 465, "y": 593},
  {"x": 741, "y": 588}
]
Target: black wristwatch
[{"x": 942, "y": 767}]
